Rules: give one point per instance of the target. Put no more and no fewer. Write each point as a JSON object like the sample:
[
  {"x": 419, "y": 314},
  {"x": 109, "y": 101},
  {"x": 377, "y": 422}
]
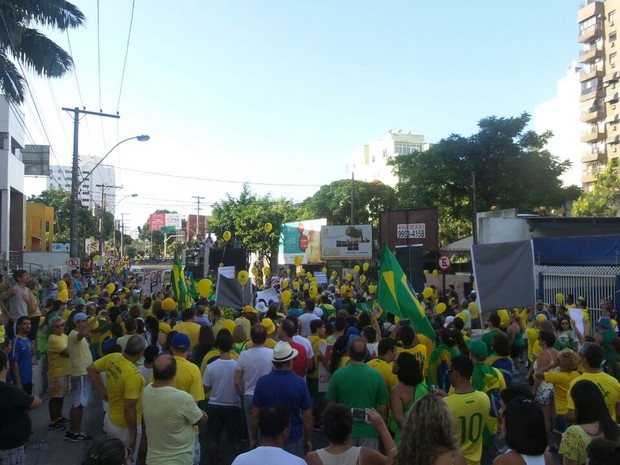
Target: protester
[
  {"x": 338, "y": 424},
  {"x": 170, "y": 415},
  {"x": 21, "y": 356},
  {"x": 107, "y": 451},
  {"x": 410, "y": 389},
  {"x": 58, "y": 374}
]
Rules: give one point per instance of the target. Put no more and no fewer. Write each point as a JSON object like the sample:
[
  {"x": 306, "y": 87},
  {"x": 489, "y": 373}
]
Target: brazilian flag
[
  {"x": 394, "y": 295},
  {"x": 177, "y": 282}
]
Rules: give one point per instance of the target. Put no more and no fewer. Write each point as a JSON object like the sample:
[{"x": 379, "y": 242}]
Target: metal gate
[{"x": 591, "y": 282}]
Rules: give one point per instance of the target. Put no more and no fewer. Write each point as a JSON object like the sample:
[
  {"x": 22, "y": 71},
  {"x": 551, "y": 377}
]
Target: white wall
[{"x": 47, "y": 259}]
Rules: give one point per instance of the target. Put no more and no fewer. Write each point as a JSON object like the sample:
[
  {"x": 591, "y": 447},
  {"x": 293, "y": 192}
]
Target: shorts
[
  {"x": 81, "y": 388},
  {"x": 58, "y": 387},
  {"x": 544, "y": 396},
  {"x": 15, "y": 456},
  {"x": 123, "y": 434},
  {"x": 224, "y": 416}
]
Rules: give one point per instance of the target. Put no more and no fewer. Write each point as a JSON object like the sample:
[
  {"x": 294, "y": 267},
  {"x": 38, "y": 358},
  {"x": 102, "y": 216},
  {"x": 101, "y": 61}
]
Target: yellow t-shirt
[
  {"x": 188, "y": 378},
  {"x": 190, "y": 328},
  {"x": 609, "y": 386},
  {"x": 470, "y": 412},
  {"x": 57, "y": 364},
  {"x": 561, "y": 381},
  {"x": 385, "y": 369},
  {"x": 269, "y": 343},
  {"x": 419, "y": 352},
  {"x": 66, "y": 313},
  {"x": 124, "y": 381},
  {"x": 531, "y": 334},
  {"x": 215, "y": 353},
  {"x": 315, "y": 341}
]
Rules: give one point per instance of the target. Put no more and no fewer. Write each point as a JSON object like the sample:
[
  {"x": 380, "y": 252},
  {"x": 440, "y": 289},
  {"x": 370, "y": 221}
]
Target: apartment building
[{"x": 599, "y": 27}]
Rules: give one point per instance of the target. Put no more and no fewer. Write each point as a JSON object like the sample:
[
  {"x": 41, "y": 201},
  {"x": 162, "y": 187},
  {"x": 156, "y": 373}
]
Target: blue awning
[{"x": 577, "y": 250}]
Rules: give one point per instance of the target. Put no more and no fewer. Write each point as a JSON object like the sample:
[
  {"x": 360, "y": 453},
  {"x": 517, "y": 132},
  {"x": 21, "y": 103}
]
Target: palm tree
[{"x": 21, "y": 43}]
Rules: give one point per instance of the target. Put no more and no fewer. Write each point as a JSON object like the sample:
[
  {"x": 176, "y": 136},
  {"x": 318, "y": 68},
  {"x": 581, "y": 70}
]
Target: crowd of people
[{"x": 175, "y": 382}]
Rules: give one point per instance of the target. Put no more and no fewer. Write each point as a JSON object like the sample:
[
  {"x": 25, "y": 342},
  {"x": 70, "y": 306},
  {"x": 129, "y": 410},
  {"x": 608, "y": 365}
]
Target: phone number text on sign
[{"x": 411, "y": 231}]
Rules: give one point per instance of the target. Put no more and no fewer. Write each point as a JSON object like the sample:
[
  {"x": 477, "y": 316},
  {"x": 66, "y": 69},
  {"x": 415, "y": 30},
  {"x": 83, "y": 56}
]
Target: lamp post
[
  {"x": 114, "y": 225},
  {"x": 75, "y": 188}
]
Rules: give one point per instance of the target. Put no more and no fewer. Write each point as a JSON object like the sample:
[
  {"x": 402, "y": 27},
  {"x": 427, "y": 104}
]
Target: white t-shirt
[
  {"x": 268, "y": 454},
  {"x": 220, "y": 377},
  {"x": 306, "y": 343},
  {"x": 304, "y": 321},
  {"x": 254, "y": 363}
]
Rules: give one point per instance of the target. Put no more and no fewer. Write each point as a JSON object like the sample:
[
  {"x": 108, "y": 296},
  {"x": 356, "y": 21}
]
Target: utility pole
[
  {"x": 352, "y": 199},
  {"x": 198, "y": 198},
  {"x": 475, "y": 209},
  {"x": 103, "y": 187},
  {"x": 75, "y": 183},
  {"x": 123, "y": 234}
]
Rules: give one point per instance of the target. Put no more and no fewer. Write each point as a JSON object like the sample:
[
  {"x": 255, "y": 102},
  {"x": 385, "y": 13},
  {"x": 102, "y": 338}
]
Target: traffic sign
[
  {"x": 444, "y": 263},
  {"x": 73, "y": 262}
]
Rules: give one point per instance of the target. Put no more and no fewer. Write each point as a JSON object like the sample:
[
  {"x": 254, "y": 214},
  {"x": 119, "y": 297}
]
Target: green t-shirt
[
  {"x": 358, "y": 386},
  {"x": 487, "y": 338}
]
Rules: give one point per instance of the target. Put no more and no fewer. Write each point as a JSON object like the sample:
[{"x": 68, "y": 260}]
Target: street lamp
[
  {"x": 75, "y": 187},
  {"x": 101, "y": 241}
]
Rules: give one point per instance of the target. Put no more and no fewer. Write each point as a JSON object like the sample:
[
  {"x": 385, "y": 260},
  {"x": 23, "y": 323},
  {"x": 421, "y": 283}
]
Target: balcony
[
  {"x": 592, "y": 114},
  {"x": 590, "y": 32},
  {"x": 591, "y": 94},
  {"x": 590, "y": 8},
  {"x": 594, "y": 72},
  {"x": 593, "y": 135},
  {"x": 590, "y": 54},
  {"x": 589, "y": 156}
]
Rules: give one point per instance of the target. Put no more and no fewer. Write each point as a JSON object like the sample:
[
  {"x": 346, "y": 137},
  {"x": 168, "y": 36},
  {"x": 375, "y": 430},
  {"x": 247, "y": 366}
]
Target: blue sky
[{"x": 283, "y": 92}]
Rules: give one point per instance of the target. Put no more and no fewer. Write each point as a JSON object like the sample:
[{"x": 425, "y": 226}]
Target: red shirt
[{"x": 300, "y": 364}]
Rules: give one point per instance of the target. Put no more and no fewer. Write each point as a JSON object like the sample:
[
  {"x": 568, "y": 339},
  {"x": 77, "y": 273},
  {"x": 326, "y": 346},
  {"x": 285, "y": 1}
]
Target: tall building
[
  {"x": 369, "y": 163},
  {"x": 561, "y": 115},
  {"x": 90, "y": 190},
  {"x": 600, "y": 87}
]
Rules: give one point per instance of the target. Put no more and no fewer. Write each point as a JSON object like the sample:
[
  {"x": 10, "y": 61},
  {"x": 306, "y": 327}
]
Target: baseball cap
[
  {"x": 478, "y": 349},
  {"x": 249, "y": 309},
  {"x": 181, "y": 341},
  {"x": 269, "y": 325},
  {"x": 448, "y": 322},
  {"x": 80, "y": 317}
]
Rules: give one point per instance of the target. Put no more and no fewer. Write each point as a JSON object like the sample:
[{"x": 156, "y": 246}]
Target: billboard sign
[
  {"x": 301, "y": 238},
  {"x": 410, "y": 227},
  {"x": 174, "y": 220},
  {"x": 157, "y": 221},
  {"x": 346, "y": 242}
]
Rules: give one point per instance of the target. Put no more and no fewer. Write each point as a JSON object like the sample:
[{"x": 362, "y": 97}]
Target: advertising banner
[
  {"x": 174, "y": 220},
  {"x": 157, "y": 221},
  {"x": 346, "y": 242},
  {"x": 301, "y": 238},
  {"x": 410, "y": 227}
]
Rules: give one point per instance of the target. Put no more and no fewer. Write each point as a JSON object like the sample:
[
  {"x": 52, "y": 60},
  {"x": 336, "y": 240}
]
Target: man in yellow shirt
[
  {"x": 469, "y": 408},
  {"x": 125, "y": 385},
  {"x": 387, "y": 353},
  {"x": 58, "y": 372},
  {"x": 188, "y": 326},
  {"x": 591, "y": 358}
]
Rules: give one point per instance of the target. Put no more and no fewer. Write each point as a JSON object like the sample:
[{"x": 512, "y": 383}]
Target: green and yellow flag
[
  {"x": 177, "y": 282},
  {"x": 394, "y": 295}
]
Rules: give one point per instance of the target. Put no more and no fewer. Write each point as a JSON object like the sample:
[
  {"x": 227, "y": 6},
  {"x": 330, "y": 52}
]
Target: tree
[
  {"x": 245, "y": 217},
  {"x": 511, "y": 166},
  {"x": 20, "y": 42},
  {"x": 61, "y": 201},
  {"x": 155, "y": 238},
  {"x": 603, "y": 199}
]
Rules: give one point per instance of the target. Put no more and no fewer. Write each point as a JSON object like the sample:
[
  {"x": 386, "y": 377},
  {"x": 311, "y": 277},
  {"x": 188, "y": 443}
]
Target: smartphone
[
  {"x": 359, "y": 414},
  {"x": 405, "y": 322}
]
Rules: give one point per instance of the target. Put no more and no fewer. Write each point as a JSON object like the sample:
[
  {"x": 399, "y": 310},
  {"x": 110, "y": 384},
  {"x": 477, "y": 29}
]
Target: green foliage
[
  {"x": 512, "y": 170},
  {"x": 602, "y": 200},
  {"x": 245, "y": 217},
  {"x": 155, "y": 238},
  {"x": 20, "y": 42},
  {"x": 61, "y": 201}
]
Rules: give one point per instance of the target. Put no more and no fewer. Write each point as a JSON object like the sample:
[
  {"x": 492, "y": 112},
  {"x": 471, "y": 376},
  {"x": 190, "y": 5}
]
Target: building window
[
  {"x": 384, "y": 153},
  {"x": 612, "y": 37},
  {"x": 612, "y": 60},
  {"x": 612, "y": 16}
]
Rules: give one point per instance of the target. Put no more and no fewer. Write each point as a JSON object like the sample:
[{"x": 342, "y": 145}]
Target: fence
[{"x": 594, "y": 283}]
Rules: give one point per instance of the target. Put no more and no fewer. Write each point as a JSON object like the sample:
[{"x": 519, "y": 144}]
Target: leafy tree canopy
[
  {"x": 602, "y": 200},
  {"x": 512, "y": 170}
]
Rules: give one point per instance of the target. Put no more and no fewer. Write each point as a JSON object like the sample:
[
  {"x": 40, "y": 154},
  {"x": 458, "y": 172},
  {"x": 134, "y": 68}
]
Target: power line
[
  {"x": 252, "y": 183},
  {"x": 120, "y": 90}
]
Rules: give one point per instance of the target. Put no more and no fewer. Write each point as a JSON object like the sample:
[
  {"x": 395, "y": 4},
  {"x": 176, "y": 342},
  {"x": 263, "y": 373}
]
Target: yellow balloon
[
  {"x": 314, "y": 282},
  {"x": 62, "y": 285},
  {"x": 169, "y": 304},
  {"x": 324, "y": 270},
  {"x": 372, "y": 289},
  {"x": 288, "y": 271},
  {"x": 559, "y": 298},
  {"x": 243, "y": 277},
  {"x": 441, "y": 307},
  {"x": 344, "y": 289},
  {"x": 427, "y": 292},
  {"x": 226, "y": 236},
  {"x": 309, "y": 275},
  {"x": 63, "y": 295},
  {"x": 110, "y": 288},
  {"x": 268, "y": 227},
  {"x": 295, "y": 285},
  {"x": 286, "y": 296},
  {"x": 306, "y": 287},
  {"x": 356, "y": 269},
  {"x": 312, "y": 292},
  {"x": 300, "y": 274},
  {"x": 255, "y": 271},
  {"x": 435, "y": 273},
  {"x": 266, "y": 271},
  {"x": 363, "y": 279},
  {"x": 298, "y": 260},
  {"x": 334, "y": 274},
  {"x": 425, "y": 272},
  {"x": 348, "y": 277},
  {"x": 96, "y": 258},
  {"x": 204, "y": 287},
  {"x": 365, "y": 266},
  {"x": 285, "y": 284}
]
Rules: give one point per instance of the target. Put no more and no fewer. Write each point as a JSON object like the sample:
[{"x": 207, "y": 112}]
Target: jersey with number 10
[{"x": 470, "y": 412}]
